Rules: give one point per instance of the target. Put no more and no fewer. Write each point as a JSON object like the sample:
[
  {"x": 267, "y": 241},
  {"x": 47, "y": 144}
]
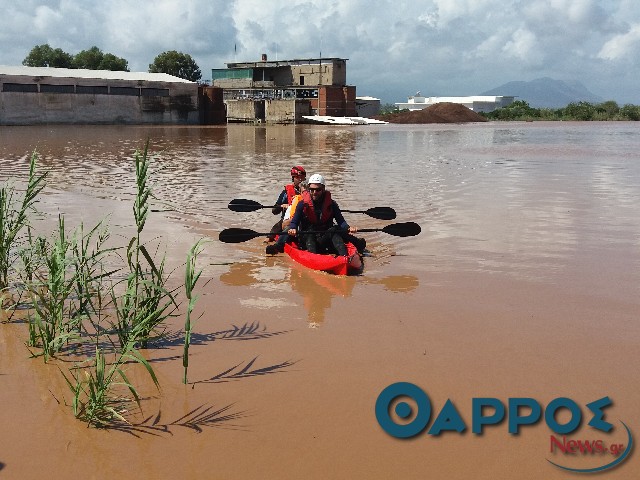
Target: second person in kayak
[{"x": 317, "y": 212}]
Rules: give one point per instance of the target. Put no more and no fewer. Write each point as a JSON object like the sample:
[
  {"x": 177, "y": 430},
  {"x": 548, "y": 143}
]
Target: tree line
[
  {"x": 581, "y": 111},
  {"x": 171, "y": 62}
]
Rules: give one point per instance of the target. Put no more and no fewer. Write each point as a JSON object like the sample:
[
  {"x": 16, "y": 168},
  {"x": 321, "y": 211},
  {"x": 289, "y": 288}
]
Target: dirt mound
[{"x": 444, "y": 112}]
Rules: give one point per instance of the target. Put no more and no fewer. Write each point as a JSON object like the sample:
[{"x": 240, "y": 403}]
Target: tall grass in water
[
  {"x": 75, "y": 299},
  {"x": 96, "y": 399},
  {"x": 190, "y": 279},
  {"x": 14, "y": 218},
  {"x": 51, "y": 326},
  {"x": 146, "y": 302},
  {"x": 64, "y": 278}
]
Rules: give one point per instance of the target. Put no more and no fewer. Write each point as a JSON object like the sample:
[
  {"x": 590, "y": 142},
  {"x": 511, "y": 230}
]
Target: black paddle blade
[
  {"x": 244, "y": 205},
  {"x": 407, "y": 229},
  {"x": 238, "y": 235},
  {"x": 382, "y": 213}
]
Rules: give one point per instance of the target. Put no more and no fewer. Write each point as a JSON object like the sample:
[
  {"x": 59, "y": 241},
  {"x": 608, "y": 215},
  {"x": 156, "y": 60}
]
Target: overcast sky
[{"x": 395, "y": 48}]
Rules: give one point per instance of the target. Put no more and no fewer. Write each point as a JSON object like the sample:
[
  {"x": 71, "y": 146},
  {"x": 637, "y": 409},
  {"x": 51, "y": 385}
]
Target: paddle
[
  {"x": 244, "y": 205},
  {"x": 239, "y": 235}
]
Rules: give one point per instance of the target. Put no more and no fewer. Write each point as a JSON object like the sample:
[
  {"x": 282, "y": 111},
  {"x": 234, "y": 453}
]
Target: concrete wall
[
  {"x": 150, "y": 103},
  {"x": 267, "y": 111},
  {"x": 319, "y": 74},
  {"x": 245, "y": 110},
  {"x": 286, "y": 111}
]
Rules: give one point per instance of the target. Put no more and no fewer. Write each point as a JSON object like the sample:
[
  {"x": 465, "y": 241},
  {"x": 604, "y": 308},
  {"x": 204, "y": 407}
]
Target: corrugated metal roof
[{"x": 96, "y": 74}]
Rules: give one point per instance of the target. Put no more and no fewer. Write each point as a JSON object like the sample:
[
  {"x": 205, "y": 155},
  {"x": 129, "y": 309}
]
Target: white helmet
[{"x": 316, "y": 178}]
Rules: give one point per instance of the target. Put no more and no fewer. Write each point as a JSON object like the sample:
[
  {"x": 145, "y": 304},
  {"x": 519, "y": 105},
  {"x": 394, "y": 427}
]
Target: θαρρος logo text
[{"x": 395, "y": 402}]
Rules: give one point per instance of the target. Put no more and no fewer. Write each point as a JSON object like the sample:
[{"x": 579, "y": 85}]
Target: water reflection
[
  {"x": 266, "y": 282},
  {"x": 318, "y": 290}
]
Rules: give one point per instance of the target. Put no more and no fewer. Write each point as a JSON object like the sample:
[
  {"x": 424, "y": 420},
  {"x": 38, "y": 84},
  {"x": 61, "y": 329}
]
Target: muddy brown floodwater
[{"x": 524, "y": 283}]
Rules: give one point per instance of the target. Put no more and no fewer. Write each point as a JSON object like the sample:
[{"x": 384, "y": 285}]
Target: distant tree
[
  {"x": 579, "y": 111},
  {"x": 388, "y": 108},
  {"x": 518, "y": 110},
  {"x": 610, "y": 108},
  {"x": 630, "y": 112},
  {"x": 45, "y": 56},
  {"x": 177, "y": 64},
  {"x": 89, "y": 59},
  {"x": 111, "y": 62},
  {"x": 95, "y": 59}
]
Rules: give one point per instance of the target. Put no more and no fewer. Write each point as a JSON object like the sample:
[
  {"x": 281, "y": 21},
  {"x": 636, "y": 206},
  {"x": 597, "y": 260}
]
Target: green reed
[
  {"x": 14, "y": 218},
  {"x": 96, "y": 397},
  {"x": 146, "y": 301},
  {"x": 76, "y": 299},
  {"x": 190, "y": 279},
  {"x": 52, "y": 326}
]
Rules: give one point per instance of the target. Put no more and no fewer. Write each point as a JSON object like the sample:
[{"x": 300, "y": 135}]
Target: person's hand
[
  {"x": 292, "y": 232},
  {"x": 352, "y": 230},
  {"x": 284, "y": 207}
]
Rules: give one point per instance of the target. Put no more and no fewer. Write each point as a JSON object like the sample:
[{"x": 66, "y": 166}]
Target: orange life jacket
[
  {"x": 326, "y": 213},
  {"x": 286, "y": 220}
]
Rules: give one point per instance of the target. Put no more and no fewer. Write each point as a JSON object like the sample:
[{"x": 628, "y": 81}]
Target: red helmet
[{"x": 298, "y": 170}]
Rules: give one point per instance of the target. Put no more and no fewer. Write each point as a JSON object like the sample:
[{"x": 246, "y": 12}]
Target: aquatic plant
[
  {"x": 75, "y": 297},
  {"x": 95, "y": 397},
  {"x": 146, "y": 301},
  {"x": 51, "y": 325},
  {"x": 14, "y": 218},
  {"x": 190, "y": 279}
]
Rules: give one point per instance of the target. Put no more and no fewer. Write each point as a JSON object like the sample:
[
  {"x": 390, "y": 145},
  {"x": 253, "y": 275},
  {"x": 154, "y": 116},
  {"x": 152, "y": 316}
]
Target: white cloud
[
  {"x": 441, "y": 47},
  {"x": 523, "y": 46},
  {"x": 622, "y": 46}
]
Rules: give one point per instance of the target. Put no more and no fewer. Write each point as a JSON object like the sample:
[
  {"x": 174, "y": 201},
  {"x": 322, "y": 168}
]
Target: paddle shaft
[
  {"x": 238, "y": 235},
  {"x": 244, "y": 205}
]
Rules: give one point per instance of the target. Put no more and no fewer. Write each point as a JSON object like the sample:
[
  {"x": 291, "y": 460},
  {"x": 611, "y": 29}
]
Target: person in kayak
[
  {"x": 317, "y": 211},
  {"x": 283, "y": 236},
  {"x": 298, "y": 175}
]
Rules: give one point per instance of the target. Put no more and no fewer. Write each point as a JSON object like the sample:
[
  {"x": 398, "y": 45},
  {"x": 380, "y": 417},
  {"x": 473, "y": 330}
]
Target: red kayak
[{"x": 326, "y": 262}]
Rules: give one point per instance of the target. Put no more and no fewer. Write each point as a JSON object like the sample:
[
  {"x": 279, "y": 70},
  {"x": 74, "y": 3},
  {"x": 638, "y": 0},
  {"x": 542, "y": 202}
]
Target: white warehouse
[{"x": 477, "y": 103}]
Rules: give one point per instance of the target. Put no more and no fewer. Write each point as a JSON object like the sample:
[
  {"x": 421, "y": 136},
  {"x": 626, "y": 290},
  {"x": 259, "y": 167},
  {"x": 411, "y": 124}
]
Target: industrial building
[
  {"x": 285, "y": 91},
  {"x": 41, "y": 95},
  {"x": 478, "y": 103}
]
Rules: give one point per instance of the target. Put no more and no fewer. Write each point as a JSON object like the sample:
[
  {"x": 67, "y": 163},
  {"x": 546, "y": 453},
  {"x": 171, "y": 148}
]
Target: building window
[
  {"x": 301, "y": 79},
  {"x": 20, "y": 87},
  {"x": 155, "y": 92},
  {"x": 47, "y": 88},
  {"x": 92, "y": 89},
  {"x": 132, "y": 91}
]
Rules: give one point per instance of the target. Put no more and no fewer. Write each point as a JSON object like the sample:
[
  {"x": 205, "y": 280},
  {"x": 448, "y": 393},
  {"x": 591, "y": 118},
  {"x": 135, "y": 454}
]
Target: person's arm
[
  {"x": 339, "y": 218},
  {"x": 295, "y": 219},
  {"x": 282, "y": 199}
]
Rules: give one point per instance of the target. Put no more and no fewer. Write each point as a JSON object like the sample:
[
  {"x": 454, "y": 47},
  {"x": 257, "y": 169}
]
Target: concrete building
[
  {"x": 40, "y": 95},
  {"x": 284, "y": 91},
  {"x": 478, "y": 103},
  {"x": 367, "y": 106}
]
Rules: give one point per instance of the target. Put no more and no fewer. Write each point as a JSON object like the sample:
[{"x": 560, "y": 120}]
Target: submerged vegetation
[
  {"x": 79, "y": 298},
  {"x": 575, "y": 111}
]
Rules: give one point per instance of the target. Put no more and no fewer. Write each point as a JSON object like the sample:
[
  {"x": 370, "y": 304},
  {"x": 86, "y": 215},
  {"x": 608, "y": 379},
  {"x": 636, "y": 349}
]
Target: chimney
[{"x": 264, "y": 57}]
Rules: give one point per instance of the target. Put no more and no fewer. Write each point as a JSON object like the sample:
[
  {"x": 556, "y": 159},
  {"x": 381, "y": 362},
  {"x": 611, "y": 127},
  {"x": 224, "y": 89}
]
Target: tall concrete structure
[{"x": 40, "y": 95}]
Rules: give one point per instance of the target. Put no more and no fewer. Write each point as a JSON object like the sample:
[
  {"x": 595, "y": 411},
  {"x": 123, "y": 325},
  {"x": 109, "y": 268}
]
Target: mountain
[{"x": 546, "y": 92}]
